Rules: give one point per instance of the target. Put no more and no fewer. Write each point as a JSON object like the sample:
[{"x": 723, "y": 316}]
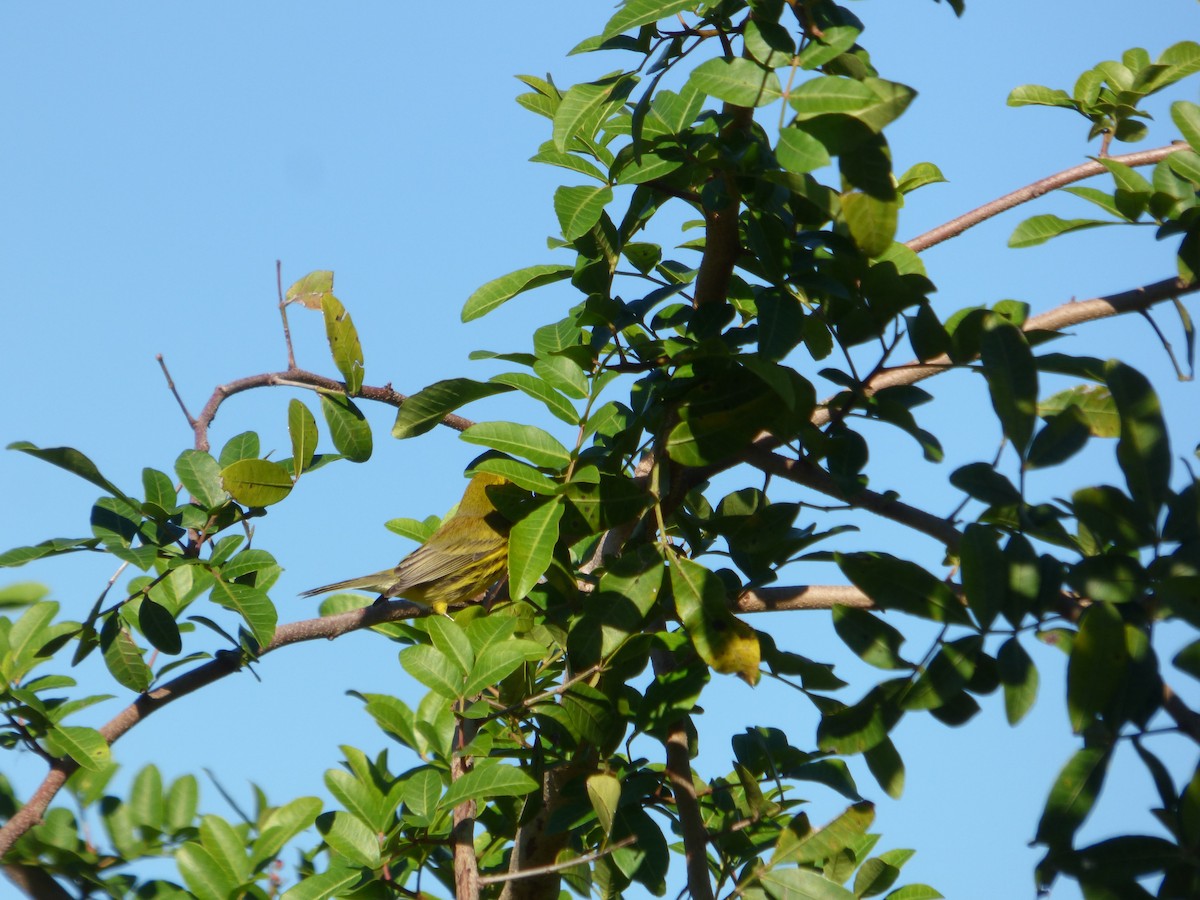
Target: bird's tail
[{"x": 367, "y": 583}]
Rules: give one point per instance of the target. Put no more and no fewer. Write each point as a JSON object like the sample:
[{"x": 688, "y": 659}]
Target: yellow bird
[{"x": 466, "y": 555}]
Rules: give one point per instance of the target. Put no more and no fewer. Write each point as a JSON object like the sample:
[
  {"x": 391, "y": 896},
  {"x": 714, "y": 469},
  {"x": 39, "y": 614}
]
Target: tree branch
[
  {"x": 225, "y": 663},
  {"x": 803, "y": 472},
  {"x": 722, "y": 246},
  {"x": 554, "y": 868},
  {"x": 1062, "y": 316},
  {"x": 303, "y": 379},
  {"x": 805, "y": 596},
  {"x": 462, "y": 835},
  {"x": 957, "y": 226}
]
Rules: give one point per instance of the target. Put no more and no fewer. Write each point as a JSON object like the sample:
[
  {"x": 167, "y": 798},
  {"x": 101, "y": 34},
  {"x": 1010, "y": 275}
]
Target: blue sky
[{"x": 159, "y": 158}]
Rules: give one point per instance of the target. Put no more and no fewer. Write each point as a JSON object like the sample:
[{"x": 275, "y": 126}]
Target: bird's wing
[{"x": 427, "y": 563}]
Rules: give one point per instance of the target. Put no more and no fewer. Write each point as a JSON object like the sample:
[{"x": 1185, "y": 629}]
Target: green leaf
[
  {"x": 146, "y": 798},
  {"x": 1064, "y": 435},
  {"x": 430, "y": 405},
  {"x": 363, "y": 801},
  {"x": 333, "y": 882},
  {"x": 1188, "y": 659},
  {"x": 1143, "y": 449},
  {"x": 434, "y": 669},
  {"x": 182, "y": 800},
  {"x": 159, "y": 627},
  {"x": 84, "y": 745},
  {"x": 302, "y": 428},
  {"x": 451, "y": 640},
  {"x": 944, "y": 678},
  {"x": 822, "y": 844},
  {"x": 830, "y": 94},
  {"x": 252, "y": 604},
  {"x": 984, "y": 573},
  {"x": 560, "y": 407},
  {"x": 583, "y": 105},
  {"x": 1039, "y": 229},
  {"x": 918, "y": 176},
  {"x": 1132, "y": 190},
  {"x": 874, "y": 877},
  {"x": 579, "y": 208},
  {"x": 741, "y": 82},
  {"x": 1020, "y": 679},
  {"x": 635, "y": 13},
  {"x": 227, "y": 847},
  {"x": 31, "y": 631},
  {"x": 487, "y": 780},
  {"x": 73, "y": 461},
  {"x": 159, "y": 489},
  {"x": 1037, "y": 95},
  {"x": 1012, "y": 379},
  {"x": 201, "y": 477},
  {"x": 521, "y": 474},
  {"x": 504, "y": 288},
  {"x": 282, "y": 824},
  {"x": 551, "y": 155},
  {"x": 203, "y": 875},
  {"x": 350, "y": 838},
  {"x": 872, "y": 222},
  {"x": 1095, "y": 404},
  {"x": 885, "y": 763},
  {"x": 240, "y": 446},
  {"x": 18, "y": 556},
  {"x": 497, "y": 661},
  {"x": 1072, "y": 796},
  {"x": 124, "y": 658},
  {"x": 723, "y": 641},
  {"x": 902, "y": 585},
  {"x": 801, "y": 884},
  {"x": 872, "y": 639},
  {"x": 343, "y": 342},
  {"x": 310, "y": 289},
  {"x": 533, "y": 444},
  {"x": 1186, "y": 117},
  {"x": 256, "y": 482},
  {"x": 347, "y": 426},
  {"x": 833, "y": 42},
  {"x": 604, "y": 792},
  {"x": 531, "y": 547},
  {"x": 1098, "y": 664}
]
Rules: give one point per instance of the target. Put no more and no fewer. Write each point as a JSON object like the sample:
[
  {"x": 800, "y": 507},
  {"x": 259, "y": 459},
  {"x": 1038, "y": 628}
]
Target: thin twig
[
  {"x": 287, "y": 332},
  {"x": 812, "y": 476},
  {"x": 1062, "y": 316},
  {"x": 162, "y": 364},
  {"x": 958, "y": 225},
  {"x": 303, "y": 379},
  {"x": 534, "y": 871}
]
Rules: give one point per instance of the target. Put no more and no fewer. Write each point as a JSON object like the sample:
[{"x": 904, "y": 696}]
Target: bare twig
[
  {"x": 303, "y": 379},
  {"x": 554, "y": 868},
  {"x": 162, "y": 364},
  {"x": 287, "y": 332},
  {"x": 957, "y": 226}
]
